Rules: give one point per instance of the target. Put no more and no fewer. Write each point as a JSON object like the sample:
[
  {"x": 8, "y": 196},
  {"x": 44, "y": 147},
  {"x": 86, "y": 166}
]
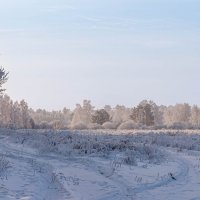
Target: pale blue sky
[{"x": 109, "y": 51}]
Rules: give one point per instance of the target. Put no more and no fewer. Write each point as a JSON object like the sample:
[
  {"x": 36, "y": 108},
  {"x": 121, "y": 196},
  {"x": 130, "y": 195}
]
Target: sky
[{"x": 59, "y": 53}]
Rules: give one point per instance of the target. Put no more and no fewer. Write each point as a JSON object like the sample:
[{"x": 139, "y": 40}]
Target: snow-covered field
[{"x": 99, "y": 165}]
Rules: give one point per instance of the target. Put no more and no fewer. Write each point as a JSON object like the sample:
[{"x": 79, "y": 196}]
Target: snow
[{"x": 99, "y": 165}]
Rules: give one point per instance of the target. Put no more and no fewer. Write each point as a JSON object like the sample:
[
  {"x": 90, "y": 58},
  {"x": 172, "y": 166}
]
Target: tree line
[{"x": 145, "y": 115}]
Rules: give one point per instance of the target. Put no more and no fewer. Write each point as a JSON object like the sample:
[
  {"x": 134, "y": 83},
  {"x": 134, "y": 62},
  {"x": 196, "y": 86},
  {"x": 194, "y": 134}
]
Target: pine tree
[{"x": 3, "y": 78}]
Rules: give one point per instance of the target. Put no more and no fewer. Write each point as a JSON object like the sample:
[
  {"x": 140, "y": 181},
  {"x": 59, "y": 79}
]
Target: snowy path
[
  {"x": 46, "y": 177},
  {"x": 186, "y": 185},
  {"x": 28, "y": 177}
]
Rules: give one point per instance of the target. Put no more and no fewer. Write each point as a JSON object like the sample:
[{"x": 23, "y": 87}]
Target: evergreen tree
[{"x": 3, "y": 78}]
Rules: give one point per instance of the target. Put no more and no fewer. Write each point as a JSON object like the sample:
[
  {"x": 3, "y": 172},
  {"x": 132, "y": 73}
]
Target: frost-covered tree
[
  {"x": 108, "y": 109},
  {"x": 195, "y": 116},
  {"x": 143, "y": 114},
  {"x": 87, "y": 111},
  {"x": 17, "y": 121},
  {"x": 3, "y": 78},
  {"x": 66, "y": 117},
  {"x": 82, "y": 115},
  {"x": 168, "y": 115},
  {"x": 77, "y": 115},
  {"x": 13, "y": 115},
  {"x": 47, "y": 119},
  {"x": 157, "y": 112},
  {"x": 120, "y": 114},
  {"x": 100, "y": 116},
  {"x": 24, "y": 114},
  {"x": 5, "y": 110},
  {"x": 178, "y": 115}
]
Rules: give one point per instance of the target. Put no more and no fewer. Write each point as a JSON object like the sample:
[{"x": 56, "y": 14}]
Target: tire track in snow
[
  {"x": 181, "y": 176},
  {"x": 32, "y": 178},
  {"x": 127, "y": 192},
  {"x": 184, "y": 185},
  {"x": 121, "y": 189}
]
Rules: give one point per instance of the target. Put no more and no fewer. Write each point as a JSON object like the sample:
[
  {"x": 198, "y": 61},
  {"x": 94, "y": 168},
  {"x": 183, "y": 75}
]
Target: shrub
[
  {"x": 79, "y": 126},
  {"x": 128, "y": 125},
  {"x": 94, "y": 126},
  {"x": 109, "y": 125},
  {"x": 130, "y": 158}
]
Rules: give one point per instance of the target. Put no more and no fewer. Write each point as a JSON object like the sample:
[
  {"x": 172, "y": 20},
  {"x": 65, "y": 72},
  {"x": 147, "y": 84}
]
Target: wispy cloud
[
  {"x": 121, "y": 22},
  {"x": 57, "y": 8}
]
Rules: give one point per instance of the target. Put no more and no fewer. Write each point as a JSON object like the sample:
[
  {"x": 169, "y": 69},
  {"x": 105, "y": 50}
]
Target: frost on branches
[{"x": 146, "y": 115}]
